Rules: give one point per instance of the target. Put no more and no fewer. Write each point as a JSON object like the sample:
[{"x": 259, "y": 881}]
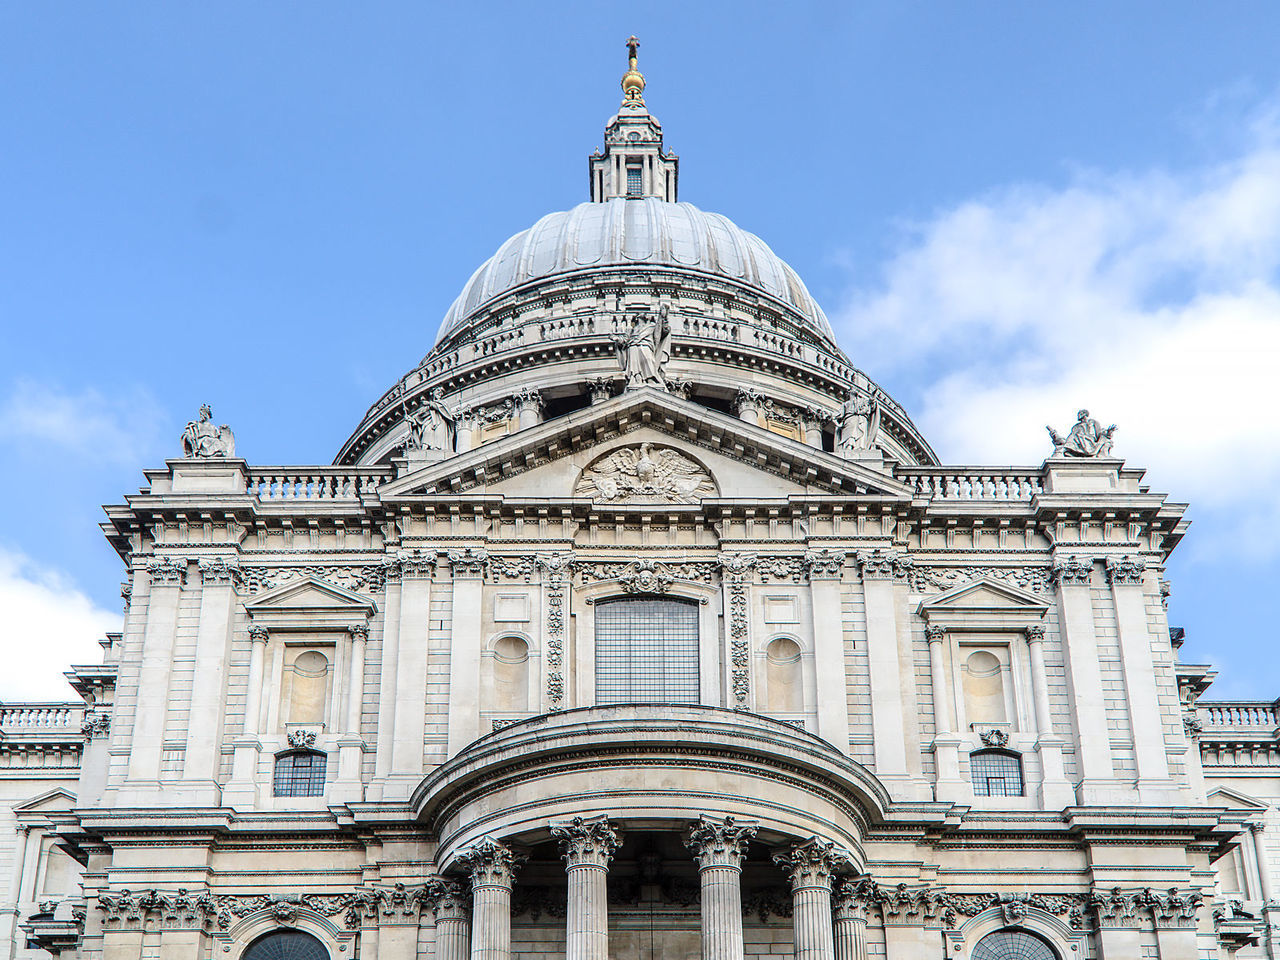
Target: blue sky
[{"x": 1008, "y": 210}]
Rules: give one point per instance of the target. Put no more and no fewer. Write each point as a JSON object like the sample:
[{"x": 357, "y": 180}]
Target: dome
[{"x": 629, "y": 232}]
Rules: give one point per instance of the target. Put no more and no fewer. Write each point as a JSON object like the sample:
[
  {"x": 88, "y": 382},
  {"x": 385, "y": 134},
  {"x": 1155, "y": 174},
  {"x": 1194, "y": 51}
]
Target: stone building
[{"x": 636, "y": 622}]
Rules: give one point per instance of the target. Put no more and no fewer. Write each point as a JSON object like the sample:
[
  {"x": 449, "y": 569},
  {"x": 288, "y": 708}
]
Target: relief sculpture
[{"x": 644, "y": 474}]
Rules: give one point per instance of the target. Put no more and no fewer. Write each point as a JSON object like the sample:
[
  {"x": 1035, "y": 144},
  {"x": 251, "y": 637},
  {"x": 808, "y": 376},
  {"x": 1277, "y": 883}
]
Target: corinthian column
[
  {"x": 493, "y": 868},
  {"x": 720, "y": 846},
  {"x": 448, "y": 900},
  {"x": 810, "y": 866},
  {"x": 587, "y": 847},
  {"x": 852, "y": 897}
]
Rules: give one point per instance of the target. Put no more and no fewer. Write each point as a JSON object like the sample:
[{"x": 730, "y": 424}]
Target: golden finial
[{"x": 633, "y": 79}]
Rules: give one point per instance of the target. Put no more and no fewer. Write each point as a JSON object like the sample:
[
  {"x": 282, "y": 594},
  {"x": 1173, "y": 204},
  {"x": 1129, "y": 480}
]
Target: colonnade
[{"x": 587, "y": 847}]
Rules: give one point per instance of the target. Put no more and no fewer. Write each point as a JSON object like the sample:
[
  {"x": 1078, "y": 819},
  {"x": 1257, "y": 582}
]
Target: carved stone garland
[
  {"x": 735, "y": 568},
  {"x": 555, "y": 566}
]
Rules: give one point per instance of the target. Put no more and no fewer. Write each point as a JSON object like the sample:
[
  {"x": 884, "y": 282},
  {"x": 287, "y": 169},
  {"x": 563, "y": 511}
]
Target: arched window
[
  {"x": 286, "y": 945},
  {"x": 996, "y": 773},
  {"x": 646, "y": 650},
  {"x": 300, "y": 773},
  {"x": 1012, "y": 945}
]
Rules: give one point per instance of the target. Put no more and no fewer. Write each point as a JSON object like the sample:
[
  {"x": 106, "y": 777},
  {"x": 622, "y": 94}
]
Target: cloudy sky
[{"x": 1009, "y": 211}]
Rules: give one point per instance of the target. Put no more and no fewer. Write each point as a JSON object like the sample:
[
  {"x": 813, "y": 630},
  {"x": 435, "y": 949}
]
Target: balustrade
[
  {"x": 315, "y": 483},
  {"x": 19, "y": 717},
  {"x": 1239, "y": 714},
  {"x": 976, "y": 484}
]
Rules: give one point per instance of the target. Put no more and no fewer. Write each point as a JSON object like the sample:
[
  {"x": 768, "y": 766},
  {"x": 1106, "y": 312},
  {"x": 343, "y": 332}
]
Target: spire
[
  {"x": 633, "y": 164},
  {"x": 633, "y": 79}
]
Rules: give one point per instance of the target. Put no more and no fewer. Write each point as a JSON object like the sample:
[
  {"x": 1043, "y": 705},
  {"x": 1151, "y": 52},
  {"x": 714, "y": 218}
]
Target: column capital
[
  {"x": 824, "y": 564},
  {"x": 259, "y": 634},
  {"x": 1070, "y": 571},
  {"x": 415, "y": 564},
  {"x": 1035, "y": 633},
  {"x": 219, "y": 571},
  {"x": 935, "y": 632},
  {"x": 447, "y": 899},
  {"x": 1125, "y": 570},
  {"x": 812, "y": 862},
  {"x": 359, "y": 631},
  {"x": 884, "y": 564},
  {"x": 586, "y": 842},
  {"x": 491, "y": 863},
  {"x": 470, "y": 562},
  {"x": 719, "y": 843},
  {"x": 167, "y": 571},
  {"x": 854, "y": 896}
]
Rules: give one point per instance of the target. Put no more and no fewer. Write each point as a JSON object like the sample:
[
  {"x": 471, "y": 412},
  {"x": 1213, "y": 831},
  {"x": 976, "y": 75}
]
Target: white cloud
[
  {"x": 48, "y": 625},
  {"x": 1151, "y": 299},
  {"x": 121, "y": 428}
]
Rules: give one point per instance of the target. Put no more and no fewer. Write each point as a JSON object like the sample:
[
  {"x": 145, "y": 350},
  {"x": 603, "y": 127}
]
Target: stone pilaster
[
  {"x": 468, "y": 567},
  {"x": 810, "y": 866},
  {"x": 587, "y": 847},
  {"x": 242, "y": 790},
  {"x": 493, "y": 867},
  {"x": 825, "y": 568},
  {"x": 351, "y": 744},
  {"x": 881, "y": 571},
  {"x": 166, "y": 577},
  {"x": 719, "y": 846},
  {"x": 410, "y": 672}
]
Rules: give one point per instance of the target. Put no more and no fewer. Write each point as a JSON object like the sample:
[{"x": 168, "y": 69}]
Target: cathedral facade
[{"x": 636, "y": 622}]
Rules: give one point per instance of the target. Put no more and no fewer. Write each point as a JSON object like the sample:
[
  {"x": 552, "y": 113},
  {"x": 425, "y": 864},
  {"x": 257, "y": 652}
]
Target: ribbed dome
[{"x": 627, "y": 232}]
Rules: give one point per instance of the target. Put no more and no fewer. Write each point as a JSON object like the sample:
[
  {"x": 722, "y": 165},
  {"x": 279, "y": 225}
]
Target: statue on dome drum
[
  {"x": 203, "y": 439},
  {"x": 1087, "y": 438},
  {"x": 644, "y": 350},
  {"x": 857, "y": 425},
  {"x": 432, "y": 426}
]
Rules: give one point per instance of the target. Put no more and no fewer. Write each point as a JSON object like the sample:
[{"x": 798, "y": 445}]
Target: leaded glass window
[
  {"x": 1012, "y": 945},
  {"x": 996, "y": 773},
  {"x": 286, "y": 945},
  {"x": 300, "y": 773},
  {"x": 635, "y": 182},
  {"x": 646, "y": 651}
]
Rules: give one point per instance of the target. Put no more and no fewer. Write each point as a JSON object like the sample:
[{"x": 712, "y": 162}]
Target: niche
[
  {"x": 984, "y": 694},
  {"x": 510, "y": 674},
  {"x": 784, "y": 678},
  {"x": 305, "y": 689}
]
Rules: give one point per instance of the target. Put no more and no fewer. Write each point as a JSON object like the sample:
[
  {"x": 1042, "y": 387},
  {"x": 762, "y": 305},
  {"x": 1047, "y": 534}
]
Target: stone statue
[
  {"x": 644, "y": 351},
  {"x": 432, "y": 426},
  {"x": 203, "y": 439},
  {"x": 857, "y": 425},
  {"x": 1086, "y": 439}
]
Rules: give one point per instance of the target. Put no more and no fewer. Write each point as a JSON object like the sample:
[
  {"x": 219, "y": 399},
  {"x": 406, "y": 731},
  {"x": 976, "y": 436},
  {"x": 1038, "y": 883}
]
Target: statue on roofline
[
  {"x": 645, "y": 349},
  {"x": 1087, "y": 438},
  {"x": 203, "y": 439},
  {"x": 432, "y": 426},
  {"x": 857, "y": 424}
]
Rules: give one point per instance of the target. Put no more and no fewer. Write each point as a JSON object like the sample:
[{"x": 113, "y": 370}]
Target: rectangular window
[
  {"x": 646, "y": 651},
  {"x": 635, "y": 182}
]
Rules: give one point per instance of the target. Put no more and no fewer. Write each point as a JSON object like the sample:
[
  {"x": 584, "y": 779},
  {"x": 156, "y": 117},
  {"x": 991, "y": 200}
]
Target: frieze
[
  {"x": 766, "y": 902},
  {"x": 645, "y": 576},
  {"x": 509, "y": 568},
  {"x": 780, "y": 569},
  {"x": 302, "y": 739},
  {"x": 1123, "y": 908},
  {"x": 182, "y": 909},
  {"x": 1033, "y": 579},
  {"x": 364, "y": 577}
]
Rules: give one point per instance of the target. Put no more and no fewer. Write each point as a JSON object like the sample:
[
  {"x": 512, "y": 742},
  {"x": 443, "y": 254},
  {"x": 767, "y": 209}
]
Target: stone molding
[
  {"x": 1072, "y": 571},
  {"x": 491, "y": 863},
  {"x": 1125, "y": 570},
  {"x": 645, "y": 575},
  {"x": 813, "y": 862},
  {"x": 167, "y": 571},
  {"x": 719, "y": 843},
  {"x": 586, "y": 842}
]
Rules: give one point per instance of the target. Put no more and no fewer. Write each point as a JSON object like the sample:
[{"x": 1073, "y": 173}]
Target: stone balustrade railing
[
  {"x": 40, "y": 717},
  {"x": 989, "y": 484},
  {"x": 1235, "y": 714},
  {"x": 315, "y": 483}
]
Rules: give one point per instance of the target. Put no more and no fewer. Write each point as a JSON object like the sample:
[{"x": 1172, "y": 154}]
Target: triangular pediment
[
  {"x": 984, "y": 604},
  {"x": 51, "y": 801},
  {"x": 1235, "y": 801},
  {"x": 739, "y": 459},
  {"x": 309, "y": 603}
]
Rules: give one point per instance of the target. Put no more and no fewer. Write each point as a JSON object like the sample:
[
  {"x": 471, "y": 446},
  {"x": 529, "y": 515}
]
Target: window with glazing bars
[
  {"x": 635, "y": 182},
  {"x": 996, "y": 773},
  {"x": 300, "y": 774},
  {"x": 646, "y": 651}
]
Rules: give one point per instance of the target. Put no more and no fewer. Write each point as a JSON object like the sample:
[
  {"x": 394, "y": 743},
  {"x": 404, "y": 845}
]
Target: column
[
  {"x": 748, "y": 406},
  {"x": 450, "y": 905},
  {"x": 209, "y": 688},
  {"x": 587, "y": 847},
  {"x": 410, "y": 676},
  {"x": 946, "y": 742},
  {"x": 166, "y": 579},
  {"x": 810, "y": 866},
  {"x": 348, "y": 785},
  {"x": 879, "y": 573},
  {"x": 1258, "y": 848},
  {"x": 719, "y": 846},
  {"x": 1080, "y": 650},
  {"x": 529, "y": 406},
  {"x": 852, "y": 898},
  {"x": 1055, "y": 791},
  {"x": 242, "y": 789},
  {"x": 464, "y": 648},
  {"x": 493, "y": 866},
  {"x": 825, "y": 567},
  {"x": 1125, "y": 574}
]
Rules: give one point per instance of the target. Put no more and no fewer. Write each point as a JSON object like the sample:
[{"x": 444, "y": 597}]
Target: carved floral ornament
[
  {"x": 586, "y": 842},
  {"x": 645, "y": 473}
]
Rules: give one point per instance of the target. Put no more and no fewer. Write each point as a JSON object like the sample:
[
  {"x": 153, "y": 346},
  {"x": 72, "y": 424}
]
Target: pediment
[
  {"x": 984, "y": 604},
  {"x": 708, "y": 454},
  {"x": 51, "y": 801},
  {"x": 308, "y": 604},
  {"x": 1235, "y": 801}
]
